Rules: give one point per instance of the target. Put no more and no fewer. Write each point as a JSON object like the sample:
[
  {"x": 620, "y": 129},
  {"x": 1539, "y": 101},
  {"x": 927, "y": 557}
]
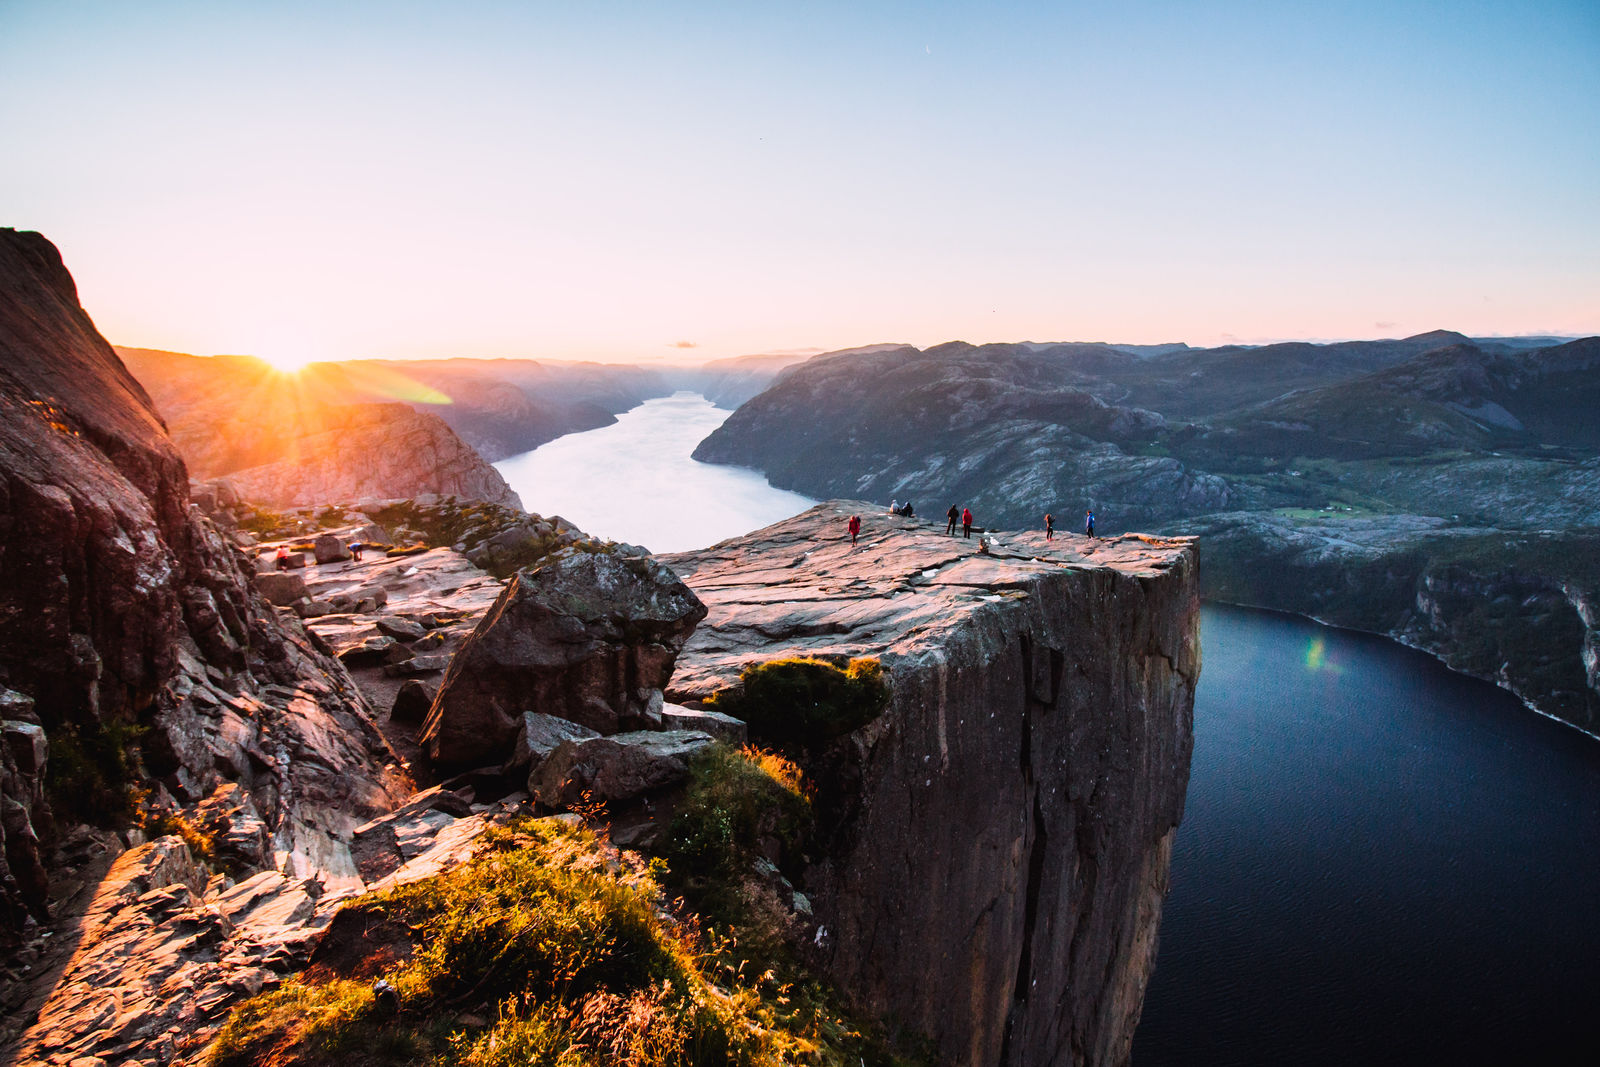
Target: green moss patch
[{"x": 805, "y": 702}]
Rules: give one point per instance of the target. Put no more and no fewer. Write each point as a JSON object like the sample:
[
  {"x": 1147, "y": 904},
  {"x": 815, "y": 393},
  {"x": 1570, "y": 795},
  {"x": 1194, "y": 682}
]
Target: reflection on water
[
  {"x": 634, "y": 481},
  {"x": 1381, "y": 862}
]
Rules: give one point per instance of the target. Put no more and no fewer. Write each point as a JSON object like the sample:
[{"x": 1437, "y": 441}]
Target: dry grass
[{"x": 548, "y": 948}]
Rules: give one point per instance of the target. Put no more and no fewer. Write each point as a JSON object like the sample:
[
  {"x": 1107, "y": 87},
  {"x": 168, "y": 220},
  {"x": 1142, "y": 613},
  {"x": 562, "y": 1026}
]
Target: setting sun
[{"x": 285, "y": 362}]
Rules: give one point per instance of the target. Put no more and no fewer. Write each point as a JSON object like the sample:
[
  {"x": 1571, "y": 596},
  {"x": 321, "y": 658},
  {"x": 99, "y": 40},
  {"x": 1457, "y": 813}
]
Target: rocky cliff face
[
  {"x": 131, "y": 624},
  {"x": 1000, "y": 838}
]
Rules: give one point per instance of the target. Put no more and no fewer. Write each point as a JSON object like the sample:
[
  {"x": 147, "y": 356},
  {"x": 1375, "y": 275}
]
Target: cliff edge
[{"x": 998, "y": 842}]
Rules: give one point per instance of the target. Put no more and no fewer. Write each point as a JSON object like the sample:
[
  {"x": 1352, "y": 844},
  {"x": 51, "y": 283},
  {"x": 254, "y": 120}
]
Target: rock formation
[
  {"x": 132, "y": 624},
  {"x": 1003, "y": 831},
  {"x": 590, "y": 636}
]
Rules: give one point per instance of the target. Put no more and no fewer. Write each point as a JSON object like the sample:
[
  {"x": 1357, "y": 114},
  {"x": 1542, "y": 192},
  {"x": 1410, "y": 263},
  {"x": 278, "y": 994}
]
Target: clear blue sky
[{"x": 604, "y": 180}]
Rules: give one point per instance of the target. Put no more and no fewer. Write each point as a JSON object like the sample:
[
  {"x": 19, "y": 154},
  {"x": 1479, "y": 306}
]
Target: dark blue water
[{"x": 1381, "y": 862}]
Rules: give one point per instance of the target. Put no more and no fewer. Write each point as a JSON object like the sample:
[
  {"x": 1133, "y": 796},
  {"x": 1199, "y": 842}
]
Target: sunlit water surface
[
  {"x": 633, "y": 481},
  {"x": 1381, "y": 862}
]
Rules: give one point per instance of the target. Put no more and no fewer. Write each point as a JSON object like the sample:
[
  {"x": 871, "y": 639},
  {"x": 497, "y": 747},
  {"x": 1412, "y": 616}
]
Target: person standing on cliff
[
  {"x": 1088, "y": 523},
  {"x": 1049, "y": 527},
  {"x": 966, "y": 522},
  {"x": 952, "y": 515},
  {"x": 854, "y": 526}
]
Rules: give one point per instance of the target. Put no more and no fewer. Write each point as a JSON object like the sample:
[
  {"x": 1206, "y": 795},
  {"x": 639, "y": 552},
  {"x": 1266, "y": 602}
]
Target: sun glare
[{"x": 287, "y": 362}]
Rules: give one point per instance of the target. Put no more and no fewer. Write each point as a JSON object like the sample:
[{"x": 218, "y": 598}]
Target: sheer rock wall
[{"x": 1000, "y": 839}]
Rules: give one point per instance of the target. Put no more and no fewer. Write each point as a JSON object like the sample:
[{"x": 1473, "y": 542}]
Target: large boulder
[
  {"x": 615, "y": 768},
  {"x": 538, "y": 736},
  {"x": 329, "y": 549},
  {"x": 722, "y": 727},
  {"x": 400, "y": 629},
  {"x": 590, "y": 637},
  {"x": 412, "y": 702},
  {"x": 281, "y": 589}
]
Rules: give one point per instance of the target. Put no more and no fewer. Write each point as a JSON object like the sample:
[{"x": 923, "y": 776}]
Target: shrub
[
  {"x": 90, "y": 773},
  {"x": 159, "y": 822},
  {"x": 738, "y": 804},
  {"x": 806, "y": 702}
]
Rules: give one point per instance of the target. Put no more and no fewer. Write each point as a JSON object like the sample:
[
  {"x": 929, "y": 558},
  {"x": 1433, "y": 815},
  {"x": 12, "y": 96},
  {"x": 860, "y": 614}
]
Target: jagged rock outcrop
[
  {"x": 589, "y": 636},
  {"x": 131, "y": 621},
  {"x": 997, "y": 842},
  {"x": 24, "y": 813}
]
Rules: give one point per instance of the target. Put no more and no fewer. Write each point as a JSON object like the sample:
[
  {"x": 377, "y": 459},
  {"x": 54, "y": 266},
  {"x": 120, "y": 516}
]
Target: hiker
[
  {"x": 908, "y": 511},
  {"x": 1049, "y": 527},
  {"x": 966, "y": 522},
  {"x": 952, "y": 515},
  {"x": 355, "y": 550},
  {"x": 1088, "y": 524},
  {"x": 854, "y": 526},
  {"x": 894, "y": 507},
  {"x": 283, "y": 557}
]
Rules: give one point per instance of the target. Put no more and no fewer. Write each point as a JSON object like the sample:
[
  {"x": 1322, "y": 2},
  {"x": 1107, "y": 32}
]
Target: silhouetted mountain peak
[{"x": 1440, "y": 338}]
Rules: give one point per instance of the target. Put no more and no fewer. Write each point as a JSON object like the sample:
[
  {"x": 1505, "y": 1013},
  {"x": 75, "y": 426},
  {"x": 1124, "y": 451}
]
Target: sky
[{"x": 669, "y": 182}]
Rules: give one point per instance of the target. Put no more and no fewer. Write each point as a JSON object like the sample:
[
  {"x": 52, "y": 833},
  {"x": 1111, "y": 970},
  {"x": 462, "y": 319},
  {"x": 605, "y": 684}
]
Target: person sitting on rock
[
  {"x": 283, "y": 557},
  {"x": 953, "y": 515},
  {"x": 894, "y": 507},
  {"x": 854, "y": 526},
  {"x": 908, "y": 511}
]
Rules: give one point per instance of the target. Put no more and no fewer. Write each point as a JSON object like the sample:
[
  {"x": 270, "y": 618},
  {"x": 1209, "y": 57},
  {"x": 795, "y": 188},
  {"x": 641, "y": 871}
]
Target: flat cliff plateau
[
  {"x": 1441, "y": 490},
  {"x": 998, "y": 841}
]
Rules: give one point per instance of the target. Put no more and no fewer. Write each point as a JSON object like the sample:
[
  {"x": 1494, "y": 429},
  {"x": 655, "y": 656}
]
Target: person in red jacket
[
  {"x": 854, "y": 527},
  {"x": 966, "y": 522}
]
